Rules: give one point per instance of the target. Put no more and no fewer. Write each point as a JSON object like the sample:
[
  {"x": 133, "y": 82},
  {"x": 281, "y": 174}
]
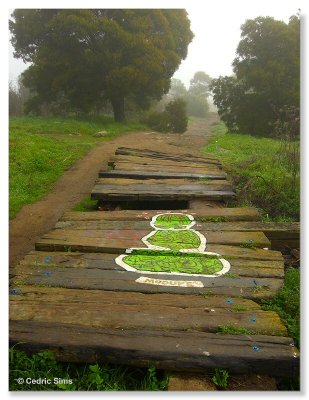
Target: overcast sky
[{"x": 215, "y": 23}]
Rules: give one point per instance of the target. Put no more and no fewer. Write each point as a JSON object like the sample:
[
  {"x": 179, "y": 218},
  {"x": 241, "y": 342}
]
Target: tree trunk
[{"x": 118, "y": 108}]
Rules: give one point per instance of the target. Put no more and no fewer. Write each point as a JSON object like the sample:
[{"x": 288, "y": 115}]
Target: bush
[
  {"x": 197, "y": 106},
  {"x": 173, "y": 119}
]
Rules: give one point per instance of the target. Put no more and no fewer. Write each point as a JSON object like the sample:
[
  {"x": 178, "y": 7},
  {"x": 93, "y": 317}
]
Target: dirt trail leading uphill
[{"x": 75, "y": 184}]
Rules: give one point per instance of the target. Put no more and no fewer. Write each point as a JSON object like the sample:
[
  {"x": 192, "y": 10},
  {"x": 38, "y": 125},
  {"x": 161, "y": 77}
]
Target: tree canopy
[
  {"x": 267, "y": 76},
  {"x": 82, "y": 58},
  {"x": 199, "y": 84}
]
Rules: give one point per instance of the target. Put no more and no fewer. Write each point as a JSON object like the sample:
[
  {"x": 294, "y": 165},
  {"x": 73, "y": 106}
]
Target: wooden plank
[
  {"x": 166, "y": 182},
  {"x": 153, "y": 192},
  {"x": 116, "y": 280},
  {"x": 198, "y": 204},
  {"x": 102, "y": 298},
  {"x": 119, "y": 159},
  {"x": 239, "y": 267},
  {"x": 117, "y": 241},
  {"x": 192, "y": 351},
  {"x": 273, "y": 230},
  {"x": 96, "y": 308},
  {"x": 166, "y": 156},
  {"x": 207, "y": 214},
  {"x": 147, "y": 187},
  {"x": 169, "y": 168},
  {"x": 141, "y": 174}
]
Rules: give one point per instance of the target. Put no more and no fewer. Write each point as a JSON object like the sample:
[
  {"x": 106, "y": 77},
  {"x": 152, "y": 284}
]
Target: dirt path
[{"x": 36, "y": 219}]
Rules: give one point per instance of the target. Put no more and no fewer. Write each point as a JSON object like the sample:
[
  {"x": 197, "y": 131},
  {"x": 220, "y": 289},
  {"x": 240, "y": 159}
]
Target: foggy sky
[{"x": 216, "y": 26}]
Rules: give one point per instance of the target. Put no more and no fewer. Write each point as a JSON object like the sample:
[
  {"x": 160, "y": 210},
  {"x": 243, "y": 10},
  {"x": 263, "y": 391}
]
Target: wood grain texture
[
  {"x": 117, "y": 240},
  {"x": 273, "y": 230},
  {"x": 71, "y": 297},
  {"x": 142, "y": 174},
  {"x": 119, "y": 159},
  {"x": 196, "y": 156},
  {"x": 161, "y": 192},
  {"x": 100, "y": 309},
  {"x": 172, "y": 350},
  {"x": 229, "y": 214},
  {"x": 167, "y": 182},
  {"x": 240, "y": 267},
  {"x": 121, "y": 280}
]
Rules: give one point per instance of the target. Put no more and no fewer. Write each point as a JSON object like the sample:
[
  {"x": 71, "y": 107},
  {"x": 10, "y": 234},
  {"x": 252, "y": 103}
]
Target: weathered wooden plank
[
  {"x": 239, "y": 267},
  {"x": 115, "y": 280},
  {"x": 273, "y": 230},
  {"x": 102, "y": 192},
  {"x": 270, "y": 229},
  {"x": 119, "y": 159},
  {"x": 160, "y": 182},
  {"x": 197, "y": 157},
  {"x": 193, "y": 351},
  {"x": 115, "y": 241},
  {"x": 102, "y": 298},
  {"x": 207, "y": 214},
  {"x": 198, "y": 204},
  {"x": 169, "y": 168},
  {"x": 108, "y": 313},
  {"x": 149, "y": 188},
  {"x": 141, "y": 174}
]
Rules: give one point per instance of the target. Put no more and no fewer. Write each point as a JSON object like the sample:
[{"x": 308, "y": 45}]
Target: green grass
[
  {"x": 42, "y": 148},
  {"x": 287, "y": 303},
  {"x": 221, "y": 378},
  {"x": 79, "y": 377},
  {"x": 86, "y": 205},
  {"x": 261, "y": 175}
]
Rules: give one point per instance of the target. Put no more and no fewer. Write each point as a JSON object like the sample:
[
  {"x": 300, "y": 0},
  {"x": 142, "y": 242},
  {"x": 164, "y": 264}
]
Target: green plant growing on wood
[
  {"x": 211, "y": 219},
  {"x": 230, "y": 275},
  {"x": 207, "y": 293},
  {"x": 249, "y": 244},
  {"x": 233, "y": 330},
  {"x": 221, "y": 378},
  {"x": 239, "y": 308},
  {"x": 259, "y": 288}
]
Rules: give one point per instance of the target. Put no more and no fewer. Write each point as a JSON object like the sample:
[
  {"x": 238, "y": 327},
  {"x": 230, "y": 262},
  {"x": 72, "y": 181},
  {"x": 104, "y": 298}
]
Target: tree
[
  {"x": 199, "y": 84},
  {"x": 177, "y": 89},
  {"x": 197, "y": 104},
  {"x": 267, "y": 76},
  {"x": 85, "y": 57}
]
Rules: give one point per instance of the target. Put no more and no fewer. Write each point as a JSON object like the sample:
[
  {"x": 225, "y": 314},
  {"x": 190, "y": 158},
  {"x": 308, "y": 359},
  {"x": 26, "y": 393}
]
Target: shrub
[
  {"x": 176, "y": 111},
  {"x": 197, "y": 106},
  {"x": 173, "y": 119}
]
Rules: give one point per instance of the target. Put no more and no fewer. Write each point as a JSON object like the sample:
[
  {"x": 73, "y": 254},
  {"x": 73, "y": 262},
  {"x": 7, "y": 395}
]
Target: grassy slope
[
  {"x": 263, "y": 181},
  {"x": 41, "y": 148},
  {"x": 261, "y": 176}
]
